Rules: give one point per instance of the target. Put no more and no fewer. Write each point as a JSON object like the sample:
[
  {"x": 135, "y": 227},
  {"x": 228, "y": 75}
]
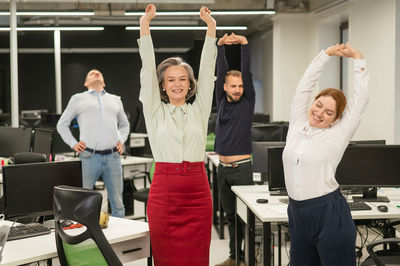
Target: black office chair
[
  {"x": 382, "y": 259},
  {"x": 28, "y": 157},
  {"x": 90, "y": 247},
  {"x": 387, "y": 256},
  {"x": 142, "y": 195}
]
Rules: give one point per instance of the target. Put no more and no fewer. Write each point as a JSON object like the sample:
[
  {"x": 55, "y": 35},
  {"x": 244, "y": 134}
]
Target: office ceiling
[{"x": 111, "y": 12}]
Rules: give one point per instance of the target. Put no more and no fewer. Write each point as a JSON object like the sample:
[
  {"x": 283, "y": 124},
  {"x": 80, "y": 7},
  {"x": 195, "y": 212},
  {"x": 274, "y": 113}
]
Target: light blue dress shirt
[{"x": 101, "y": 118}]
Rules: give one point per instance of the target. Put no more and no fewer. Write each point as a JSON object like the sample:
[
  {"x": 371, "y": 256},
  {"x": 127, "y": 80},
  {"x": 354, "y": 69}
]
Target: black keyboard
[
  {"x": 27, "y": 230},
  {"x": 358, "y": 206}
]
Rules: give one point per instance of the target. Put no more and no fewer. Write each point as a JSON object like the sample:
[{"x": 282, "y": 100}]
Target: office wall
[
  {"x": 267, "y": 72},
  {"x": 373, "y": 29},
  {"x": 290, "y": 59},
  {"x": 397, "y": 75}
]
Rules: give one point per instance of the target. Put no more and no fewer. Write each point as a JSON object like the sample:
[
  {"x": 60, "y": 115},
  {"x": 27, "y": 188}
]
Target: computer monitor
[
  {"x": 260, "y": 157},
  {"x": 49, "y": 120},
  {"x": 267, "y": 132},
  {"x": 369, "y": 166},
  {"x": 276, "y": 176},
  {"x": 58, "y": 145},
  {"x": 28, "y": 188},
  {"x": 13, "y": 140},
  {"x": 261, "y": 118},
  {"x": 31, "y": 118},
  {"x": 42, "y": 142}
]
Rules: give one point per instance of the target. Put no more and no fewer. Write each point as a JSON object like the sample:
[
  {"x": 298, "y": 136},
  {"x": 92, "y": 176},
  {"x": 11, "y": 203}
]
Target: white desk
[
  {"x": 122, "y": 234},
  {"x": 247, "y": 209}
]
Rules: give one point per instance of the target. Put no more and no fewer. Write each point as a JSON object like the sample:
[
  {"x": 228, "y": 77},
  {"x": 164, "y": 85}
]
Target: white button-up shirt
[
  {"x": 311, "y": 155},
  {"x": 177, "y": 134}
]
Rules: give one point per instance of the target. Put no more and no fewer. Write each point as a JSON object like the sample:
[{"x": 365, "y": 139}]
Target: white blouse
[
  {"x": 311, "y": 155},
  {"x": 177, "y": 134}
]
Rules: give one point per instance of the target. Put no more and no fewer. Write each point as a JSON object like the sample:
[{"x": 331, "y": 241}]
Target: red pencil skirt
[{"x": 179, "y": 211}]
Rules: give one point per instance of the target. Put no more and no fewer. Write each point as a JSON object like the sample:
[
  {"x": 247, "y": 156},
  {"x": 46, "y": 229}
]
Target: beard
[{"x": 233, "y": 99}]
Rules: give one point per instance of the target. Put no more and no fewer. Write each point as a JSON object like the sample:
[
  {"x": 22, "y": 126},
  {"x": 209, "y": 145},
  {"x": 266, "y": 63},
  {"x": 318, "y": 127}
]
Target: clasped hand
[
  {"x": 232, "y": 39},
  {"x": 344, "y": 50}
]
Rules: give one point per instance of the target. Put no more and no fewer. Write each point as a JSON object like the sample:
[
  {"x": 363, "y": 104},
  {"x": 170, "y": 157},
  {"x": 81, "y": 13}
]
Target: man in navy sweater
[{"x": 235, "y": 99}]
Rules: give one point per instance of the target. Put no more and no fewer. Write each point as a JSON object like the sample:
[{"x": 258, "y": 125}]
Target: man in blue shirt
[
  {"x": 235, "y": 99},
  {"x": 104, "y": 128}
]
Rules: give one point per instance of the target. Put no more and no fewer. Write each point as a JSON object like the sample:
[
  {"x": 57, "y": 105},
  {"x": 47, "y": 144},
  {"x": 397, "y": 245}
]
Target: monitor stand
[
  {"x": 370, "y": 195},
  {"x": 47, "y": 221}
]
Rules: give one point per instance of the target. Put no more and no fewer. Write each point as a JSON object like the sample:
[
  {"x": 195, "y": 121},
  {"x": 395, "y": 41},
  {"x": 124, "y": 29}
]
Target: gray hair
[{"x": 175, "y": 61}]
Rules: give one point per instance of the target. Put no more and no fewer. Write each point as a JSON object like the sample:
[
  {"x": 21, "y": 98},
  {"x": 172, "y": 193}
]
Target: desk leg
[
  {"x": 266, "y": 238},
  {"x": 217, "y": 206},
  {"x": 250, "y": 239},
  {"x": 150, "y": 258},
  {"x": 215, "y": 197},
  {"x": 221, "y": 221},
  {"x": 237, "y": 242},
  {"x": 279, "y": 244},
  {"x": 209, "y": 172}
]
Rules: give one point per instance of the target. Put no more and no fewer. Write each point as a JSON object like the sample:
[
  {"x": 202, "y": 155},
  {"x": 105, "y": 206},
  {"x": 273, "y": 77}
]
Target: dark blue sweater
[{"x": 232, "y": 131}]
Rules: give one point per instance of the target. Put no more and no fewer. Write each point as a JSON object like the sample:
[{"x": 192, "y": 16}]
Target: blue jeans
[{"x": 110, "y": 169}]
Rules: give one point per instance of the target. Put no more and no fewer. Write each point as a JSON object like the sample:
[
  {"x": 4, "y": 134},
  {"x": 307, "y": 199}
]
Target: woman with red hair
[{"x": 322, "y": 231}]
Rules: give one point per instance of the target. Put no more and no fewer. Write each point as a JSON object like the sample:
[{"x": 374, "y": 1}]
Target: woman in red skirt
[{"x": 179, "y": 207}]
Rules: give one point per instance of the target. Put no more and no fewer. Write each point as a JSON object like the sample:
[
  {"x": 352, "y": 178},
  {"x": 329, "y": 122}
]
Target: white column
[
  {"x": 372, "y": 29},
  {"x": 291, "y": 56},
  {"x": 14, "y": 64},
  {"x": 397, "y": 76},
  {"x": 57, "y": 64}
]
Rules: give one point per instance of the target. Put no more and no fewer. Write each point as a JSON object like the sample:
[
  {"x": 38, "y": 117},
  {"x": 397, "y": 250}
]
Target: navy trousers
[{"x": 322, "y": 231}]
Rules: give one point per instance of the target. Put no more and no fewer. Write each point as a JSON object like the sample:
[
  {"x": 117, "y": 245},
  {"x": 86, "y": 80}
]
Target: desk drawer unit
[{"x": 133, "y": 249}]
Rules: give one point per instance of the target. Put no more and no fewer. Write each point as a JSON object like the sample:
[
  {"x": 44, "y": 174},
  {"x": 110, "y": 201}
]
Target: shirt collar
[
  {"x": 308, "y": 130},
  {"x": 172, "y": 108},
  {"x": 93, "y": 91}
]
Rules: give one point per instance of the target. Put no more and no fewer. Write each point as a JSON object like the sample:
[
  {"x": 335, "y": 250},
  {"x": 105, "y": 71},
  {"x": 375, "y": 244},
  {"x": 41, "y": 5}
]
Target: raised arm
[
  {"x": 206, "y": 78},
  {"x": 150, "y": 13},
  {"x": 149, "y": 92},
  {"x": 352, "y": 115},
  {"x": 245, "y": 66},
  {"x": 222, "y": 67},
  {"x": 209, "y": 20},
  {"x": 299, "y": 107}
]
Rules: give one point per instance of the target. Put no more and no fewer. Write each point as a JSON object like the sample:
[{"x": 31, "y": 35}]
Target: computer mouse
[
  {"x": 382, "y": 208},
  {"x": 262, "y": 200}
]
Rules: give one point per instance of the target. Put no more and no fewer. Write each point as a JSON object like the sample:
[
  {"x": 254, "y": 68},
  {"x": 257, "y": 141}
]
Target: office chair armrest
[
  {"x": 373, "y": 255},
  {"x": 142, "y": 174}
]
